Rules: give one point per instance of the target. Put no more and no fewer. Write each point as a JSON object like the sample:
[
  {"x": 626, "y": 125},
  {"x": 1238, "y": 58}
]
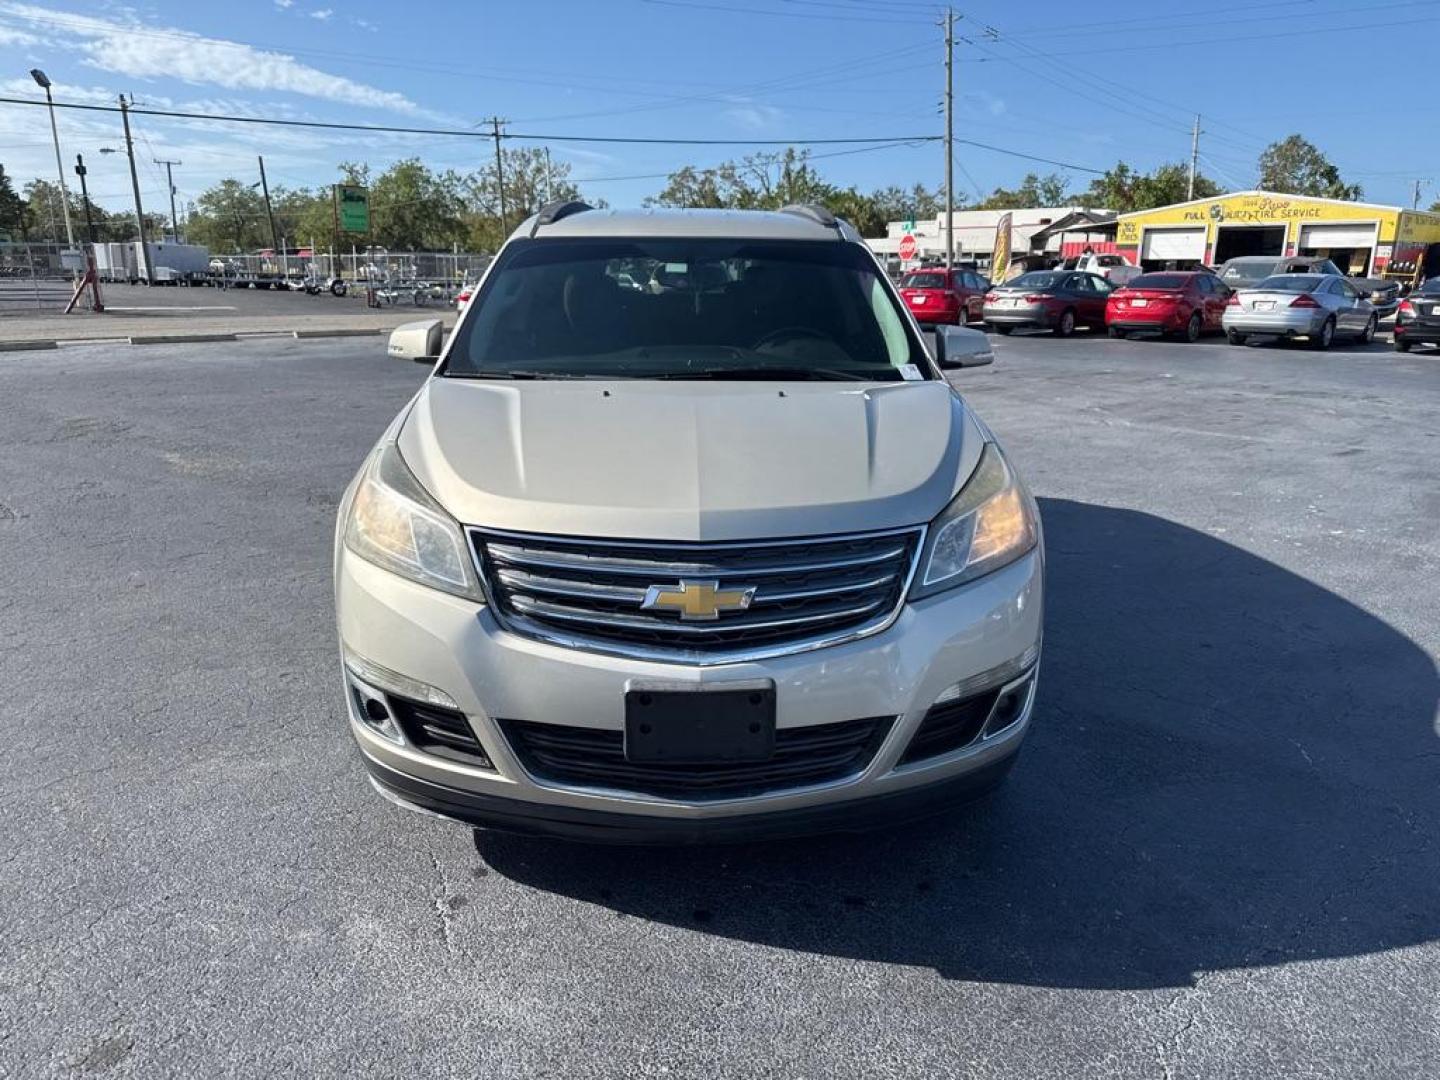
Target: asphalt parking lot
[{"x": 1217, "y": 856}]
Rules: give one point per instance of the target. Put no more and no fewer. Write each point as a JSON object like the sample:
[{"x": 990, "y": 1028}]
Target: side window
[
  {"x": 1099, "y": 284},
  {"x": 1078, "y": 283}
]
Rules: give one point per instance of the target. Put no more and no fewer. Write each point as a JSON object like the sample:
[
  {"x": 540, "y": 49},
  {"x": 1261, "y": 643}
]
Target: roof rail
[
  {"x": 553, "y": 212},
  {"x": 814, "y": 212}
]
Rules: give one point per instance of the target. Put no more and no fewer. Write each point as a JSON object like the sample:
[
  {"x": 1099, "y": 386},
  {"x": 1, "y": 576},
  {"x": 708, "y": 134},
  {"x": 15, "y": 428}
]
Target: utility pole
[
  {"x": 949, "y": 139},
  {"x": 80, "y": 171},
  {"x": 549, "y": 181},
  {"x": 1415, "y": 203},
  {"x": 269, "y": 213},
  {"x": 135, "y": 186},
  {"x": 495, "y": 123},
  {"x": 1194, "y": 156},
  {"x": 170, "y": 183}
]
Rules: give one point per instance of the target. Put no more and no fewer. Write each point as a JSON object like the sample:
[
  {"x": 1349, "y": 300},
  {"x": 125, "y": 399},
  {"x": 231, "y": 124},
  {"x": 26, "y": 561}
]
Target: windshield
[
  {"x": 1296, "y": 283},
  {"x": 678, "y": 308},
  {"x": 1160, "y": 281},
  {"x": 1245, "y": 271},
  {"x": 1036, "y": 279},
  {"x": 923, "y": 281},
  {"x": 1430, "y": 288}
]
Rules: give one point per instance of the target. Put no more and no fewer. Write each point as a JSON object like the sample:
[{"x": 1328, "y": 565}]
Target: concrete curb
[
  {"x": 175, "y": 339},
  {"x": 343, "y": 332},
  {"x": 24, "y": 346}
]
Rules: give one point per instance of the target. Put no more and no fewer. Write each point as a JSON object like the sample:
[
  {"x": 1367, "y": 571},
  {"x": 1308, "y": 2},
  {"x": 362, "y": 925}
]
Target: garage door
[
  {"x": 1336, "y": 236},
  {"x": 1166, "y": 244}
]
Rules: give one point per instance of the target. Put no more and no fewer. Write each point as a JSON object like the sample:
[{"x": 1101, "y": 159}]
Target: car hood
[{"x": 689, "y": 461}]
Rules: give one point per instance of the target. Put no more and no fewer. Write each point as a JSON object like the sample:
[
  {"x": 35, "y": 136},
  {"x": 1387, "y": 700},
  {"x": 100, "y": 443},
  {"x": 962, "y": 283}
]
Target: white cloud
[
  {"x": 283, "y": 4},
  {"x": 752, "y": 115},
  {"x": 9, "y": 35},
  {"x": 143, "y": 51},
  {"x": 323, "y": 14}
]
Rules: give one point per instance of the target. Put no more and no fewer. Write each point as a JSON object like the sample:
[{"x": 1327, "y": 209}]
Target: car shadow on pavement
[{"x": 1230, "y": 767}]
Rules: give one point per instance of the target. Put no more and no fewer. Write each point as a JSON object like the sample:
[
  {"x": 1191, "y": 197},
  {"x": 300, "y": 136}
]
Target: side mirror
[
  {"x": 959, "y": 346},
  {"x": 418, "y": 341}
]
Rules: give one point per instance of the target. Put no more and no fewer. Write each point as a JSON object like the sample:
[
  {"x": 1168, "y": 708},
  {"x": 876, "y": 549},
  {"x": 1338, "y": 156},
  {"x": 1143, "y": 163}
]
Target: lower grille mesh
[{"x": 588, "y": 757}]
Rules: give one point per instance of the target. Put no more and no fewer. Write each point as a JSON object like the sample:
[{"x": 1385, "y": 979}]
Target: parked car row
[{"x": 1187, "y": 304}]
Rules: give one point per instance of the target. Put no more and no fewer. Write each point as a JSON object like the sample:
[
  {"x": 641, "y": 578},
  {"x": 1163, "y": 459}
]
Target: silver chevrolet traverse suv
[{"x": 686, "y": 537}]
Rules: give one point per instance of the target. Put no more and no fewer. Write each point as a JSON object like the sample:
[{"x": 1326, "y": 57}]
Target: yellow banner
[{"x": 1000, "y": 260}]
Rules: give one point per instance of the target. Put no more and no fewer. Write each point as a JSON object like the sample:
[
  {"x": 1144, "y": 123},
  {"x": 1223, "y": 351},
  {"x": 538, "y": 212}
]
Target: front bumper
[
  {"x": 458, "y": 647},
  {"x": 1288, "y": 322}
]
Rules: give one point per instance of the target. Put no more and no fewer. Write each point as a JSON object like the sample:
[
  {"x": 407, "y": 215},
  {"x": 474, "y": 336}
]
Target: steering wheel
[{"x": 785, "y": 333}]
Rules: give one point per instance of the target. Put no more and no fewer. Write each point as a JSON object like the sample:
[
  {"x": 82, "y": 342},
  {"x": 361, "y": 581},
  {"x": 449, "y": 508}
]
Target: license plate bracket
[{"x": 700, "y": 727}]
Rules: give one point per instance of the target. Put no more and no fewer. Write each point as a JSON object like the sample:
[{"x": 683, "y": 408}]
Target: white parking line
[{"x": 198, "y": 307}]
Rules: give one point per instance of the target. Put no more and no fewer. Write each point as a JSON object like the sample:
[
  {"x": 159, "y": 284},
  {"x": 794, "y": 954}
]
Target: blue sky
[{"x": 1040, "y": 78}]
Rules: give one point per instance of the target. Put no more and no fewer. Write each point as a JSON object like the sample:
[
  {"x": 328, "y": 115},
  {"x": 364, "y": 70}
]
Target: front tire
[
  {"x": 1325, "y": 338},
  {"x": 1066, "y": 326}
]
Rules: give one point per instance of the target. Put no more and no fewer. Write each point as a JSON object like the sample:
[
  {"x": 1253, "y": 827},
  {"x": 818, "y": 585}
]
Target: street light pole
[{"x": 43, "y": 81}]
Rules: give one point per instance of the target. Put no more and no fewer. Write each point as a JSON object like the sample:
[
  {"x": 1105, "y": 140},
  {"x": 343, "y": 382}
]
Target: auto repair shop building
[{"x": 1364, "y": 239}]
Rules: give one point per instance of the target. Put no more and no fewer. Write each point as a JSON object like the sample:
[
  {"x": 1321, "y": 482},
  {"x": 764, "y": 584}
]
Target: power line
[
  {"x": 463, "y": 133},
  {"x": 890, "y": 20}
]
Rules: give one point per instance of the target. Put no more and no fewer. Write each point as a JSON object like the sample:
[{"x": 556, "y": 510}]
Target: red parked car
[
  {"x": 931, "y": 300},
  {"x": 1185, "y": 303}
]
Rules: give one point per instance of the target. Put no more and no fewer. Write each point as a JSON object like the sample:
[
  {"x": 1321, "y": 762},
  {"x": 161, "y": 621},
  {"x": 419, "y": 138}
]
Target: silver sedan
[{"x": 1313, "y": 306}]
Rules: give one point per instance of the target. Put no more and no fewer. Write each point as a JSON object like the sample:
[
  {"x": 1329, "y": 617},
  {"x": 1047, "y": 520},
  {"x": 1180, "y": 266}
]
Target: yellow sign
[{"x": 697, "y": 600}]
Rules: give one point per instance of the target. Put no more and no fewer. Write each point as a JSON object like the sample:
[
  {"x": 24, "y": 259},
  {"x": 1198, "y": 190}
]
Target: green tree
[
  {"x": 413, "y": 208},
  {"x": 1295, "y": 166},
  {"x": 12, "y": 207},
  {"x": 765, "y": 181},
  {"x": 230, "y": 218},
  {"x": 1435, "y": 207},
  {"x": 531, "y": 180},
  {"x": 1126, "y": 190},
  {"x": 1033, "y": 191}
]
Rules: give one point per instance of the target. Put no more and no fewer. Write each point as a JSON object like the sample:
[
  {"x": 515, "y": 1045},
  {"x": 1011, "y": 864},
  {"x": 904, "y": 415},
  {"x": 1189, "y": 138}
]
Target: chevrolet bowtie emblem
[{"x": 697, "y": 600}]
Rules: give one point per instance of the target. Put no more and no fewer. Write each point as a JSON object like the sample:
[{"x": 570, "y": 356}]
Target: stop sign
[{"x": 908, "y": 247}]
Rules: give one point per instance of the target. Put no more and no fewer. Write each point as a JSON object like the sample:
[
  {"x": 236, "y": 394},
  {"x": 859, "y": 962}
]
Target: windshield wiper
[{"x": 779, "y": 374}]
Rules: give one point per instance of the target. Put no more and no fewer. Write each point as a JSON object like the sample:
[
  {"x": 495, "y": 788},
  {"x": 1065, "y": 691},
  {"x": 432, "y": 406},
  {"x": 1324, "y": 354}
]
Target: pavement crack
[{"x": 441, "y": 904}]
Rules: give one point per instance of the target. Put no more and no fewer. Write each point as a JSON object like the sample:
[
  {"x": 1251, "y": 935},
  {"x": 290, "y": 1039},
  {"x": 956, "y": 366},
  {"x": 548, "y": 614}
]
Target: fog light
[
  {"x": 1009, "y": 706},
  {"x": 374, "y": 711}
]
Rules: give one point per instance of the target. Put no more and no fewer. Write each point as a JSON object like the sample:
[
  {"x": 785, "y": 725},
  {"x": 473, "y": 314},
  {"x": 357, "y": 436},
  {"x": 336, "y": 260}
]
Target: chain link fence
[{"x": 32, "y": 278}]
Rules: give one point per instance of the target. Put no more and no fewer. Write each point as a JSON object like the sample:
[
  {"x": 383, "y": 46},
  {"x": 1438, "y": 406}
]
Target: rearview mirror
[
  {"x": 418, "y": 341},
  {"x": 959, "y": 346}
]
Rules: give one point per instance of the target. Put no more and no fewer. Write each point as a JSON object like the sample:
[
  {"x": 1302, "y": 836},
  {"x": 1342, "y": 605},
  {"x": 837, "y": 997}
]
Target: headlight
[
  {"x": 990, "y": 523},
  {"x": 395, "y": 523}
]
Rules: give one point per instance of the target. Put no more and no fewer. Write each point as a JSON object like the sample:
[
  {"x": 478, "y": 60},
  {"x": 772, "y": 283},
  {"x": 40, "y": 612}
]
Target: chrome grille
[{"x": 799, "y": 594}]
